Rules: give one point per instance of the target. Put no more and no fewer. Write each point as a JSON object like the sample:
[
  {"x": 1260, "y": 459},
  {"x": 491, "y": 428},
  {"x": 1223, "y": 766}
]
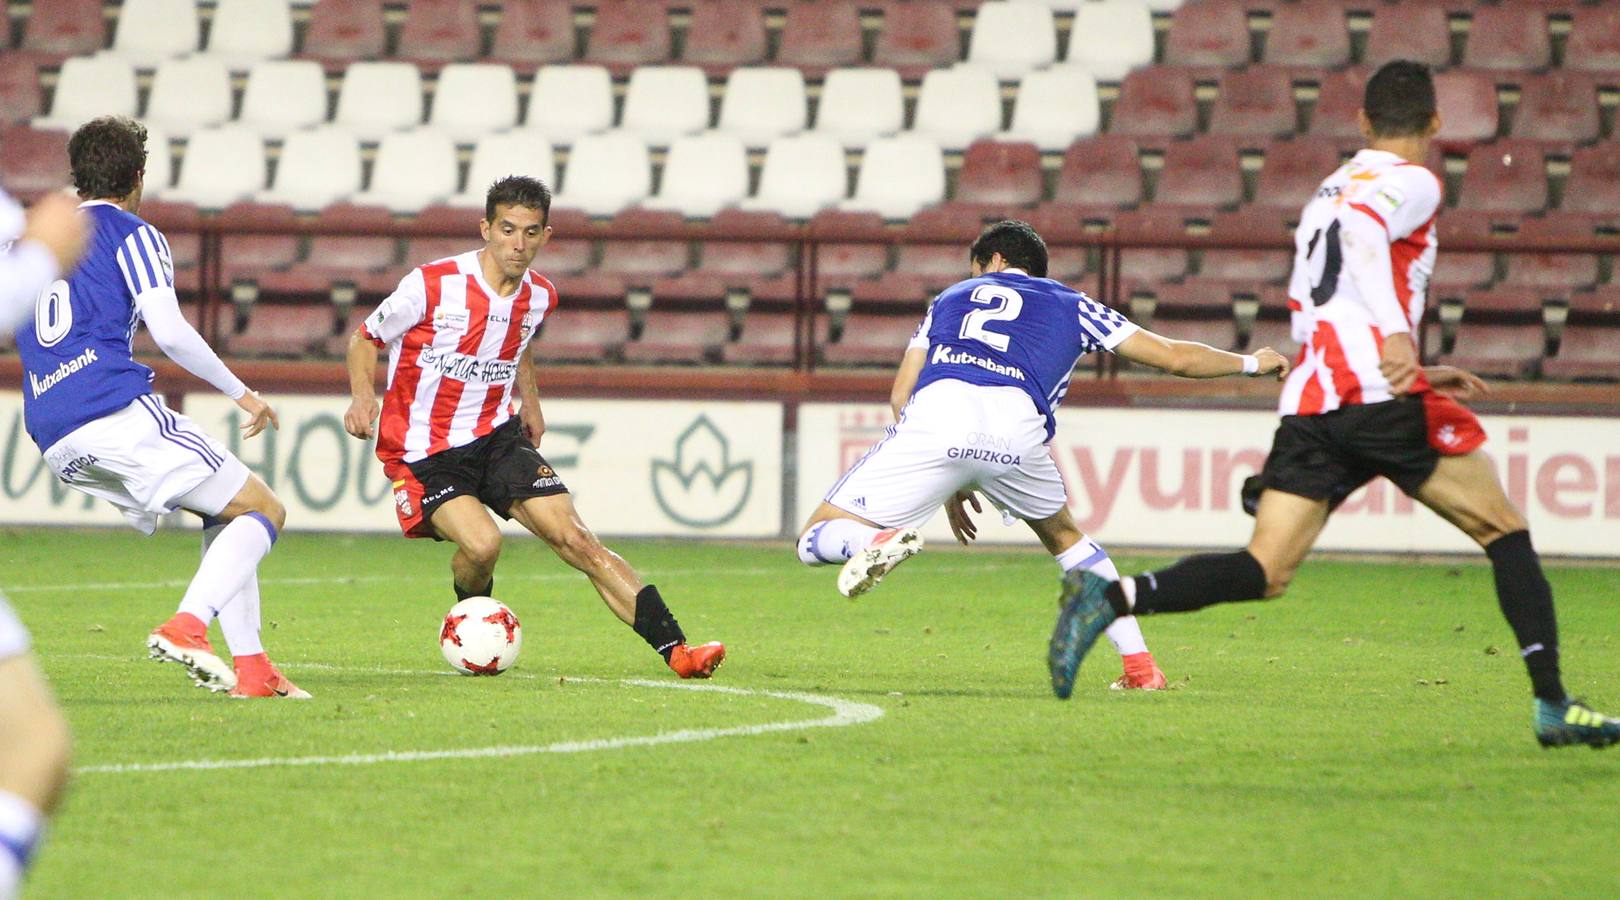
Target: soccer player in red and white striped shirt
[
  {"x": 451, "y": 439},
  {"x": 1359, "y": 405}
]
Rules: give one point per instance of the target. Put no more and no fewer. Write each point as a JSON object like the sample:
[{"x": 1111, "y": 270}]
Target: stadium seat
[
  {"x": 159, "y": 165},
  {"x": 1156, "y": 102},
  {"x": 1559, "y": 106},
  {"x": 1247, "y": 265},
  {"x": 287, "y": 331},
  {"x": 90, "y": 86},
  {"x": 858, "y": 105},
  {"x": 437, "y": 32},
  {"x": 1100, "y": 172},
  {"x": 723, "y": 34},
  {"x": 369, "y": 263},
  {"x": 245, "y": 32},
  {"x": 379, "y": 97},
  {"x": 664, "y": 102},
  {"x": 1293, "y": 170},
  {"x": 1254, "y": 102},
  {"x": 1558, "y": 272},
  {"x": 150, "y": 31},
  {"x": 703, "y": 174},
  {"x": 188, "y": 94},
  {"x": 1111, "y": 38},
  {"x": 1055, "y": 106},
  {"x": 766, "y": 340},
  {"x": 343, "y": 31},
  {"x": 917, "y": 36},
  {"x": 1413, "y": 31},
  {"x": 581, "y": 335},
  {"x": 534, "y": 33},
  {"x": 1308, "y": 34},
  {"x": 629, "y": 33},
  {"x": 1505, "y": 177},
  {"x": 871, "y": 340},
  {"x": 639, "y": 260},
  {"x": 474, "y": 99},
  {"x": 763, "y": 268},
  {"x": 1593, "y": 186},
  {"x": 1467, "y": 104},
  {"x": 1513, "y": 36},
  {"x": 283, "y": 96},
  {"x": 1600, "y": 306},
  {"x": 34, "y": 161},
  {"x": 1585, "y": 353},
  {"x": 570, "y": 101},
  {"x": 606, "y": 173},
  {"x": 820, "y": 34},
  {"x": 221, "y": 166},
  {"x": 316, "y": 168},
  {"x": 1336, "y": 106},
  {"x": 244, "y": 256},
  {"x": 1594, "y": 40},
  {"x": 1454, "y": 270},
  {"x": 1210, "y": 33},
  {"x": 1000, "y": 174},
  {"x": 1011, "y": 38},
  {"x": 762, "y": 104},
  {"x": 679, "y": 337},
  {"x": 500, "y": 155},
  {"x": 957, "y": 106},
  {"x": 802, "y": 174},
  {"x": 1203, "y": 172},
  {"x": 1496, "y": 351},
  {"x": 898, "y": 176},
  {"x": 414, "y": 169},
  {"x": 61, "y": 29},
  {"x": 20, "y": 98}
]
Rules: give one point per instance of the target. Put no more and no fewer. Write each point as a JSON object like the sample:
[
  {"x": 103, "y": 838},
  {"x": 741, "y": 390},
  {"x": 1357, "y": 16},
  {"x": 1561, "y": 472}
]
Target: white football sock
[
  {"x": 834, "y": 541},
  {"x": 1125, "y": 633},
  {"x": 229, "y": 563},
  {"x": 240, "y": 617},
  {"x": 19, "y": 834}
]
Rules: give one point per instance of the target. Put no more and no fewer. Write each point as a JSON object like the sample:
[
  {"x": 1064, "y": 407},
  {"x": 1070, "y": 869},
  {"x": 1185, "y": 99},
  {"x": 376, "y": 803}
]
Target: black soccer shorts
[{"x": 500, "y": 469}]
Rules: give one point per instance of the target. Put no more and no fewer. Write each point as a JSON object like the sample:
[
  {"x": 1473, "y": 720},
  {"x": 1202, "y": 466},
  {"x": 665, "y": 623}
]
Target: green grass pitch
[{"x": 1369, "y": 734}]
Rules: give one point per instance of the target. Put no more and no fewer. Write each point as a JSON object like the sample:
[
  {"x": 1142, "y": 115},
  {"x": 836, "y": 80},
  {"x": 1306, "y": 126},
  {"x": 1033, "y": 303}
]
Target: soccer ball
[{"x": 480, "y": 636}]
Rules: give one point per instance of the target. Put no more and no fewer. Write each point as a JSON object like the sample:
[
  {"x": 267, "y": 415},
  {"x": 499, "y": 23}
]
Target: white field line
[{"x": 844, "y": 713}]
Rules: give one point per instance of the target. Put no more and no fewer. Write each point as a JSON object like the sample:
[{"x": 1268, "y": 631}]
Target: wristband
[{"x": 1251, "y": 364}]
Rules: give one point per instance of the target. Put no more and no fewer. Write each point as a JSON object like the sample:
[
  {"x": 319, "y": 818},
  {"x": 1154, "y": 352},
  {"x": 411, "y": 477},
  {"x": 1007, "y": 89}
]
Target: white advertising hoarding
[{"x": 1170, "y": 478}]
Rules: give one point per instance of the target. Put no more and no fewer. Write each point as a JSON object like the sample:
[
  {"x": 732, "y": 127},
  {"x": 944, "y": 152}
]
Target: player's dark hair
[
  {"x": 107, "y": 156},
  {"x": 518, "y": 190},
  {"x": 1016, "y": 241},
  {"x": 1400, "y": 99}
]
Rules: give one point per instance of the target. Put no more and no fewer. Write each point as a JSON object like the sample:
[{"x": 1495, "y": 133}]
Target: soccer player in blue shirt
[
  {"x": 974, "y": 400},
  {"x": 89, "y": 406}
]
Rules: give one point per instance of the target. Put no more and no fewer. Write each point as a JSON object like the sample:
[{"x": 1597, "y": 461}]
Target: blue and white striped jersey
[
  {"x": 1010, "y": 329},
  {"x": 76, "y": 352}
]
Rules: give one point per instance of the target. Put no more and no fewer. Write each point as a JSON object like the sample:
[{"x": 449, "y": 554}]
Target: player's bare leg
[
  {"x": 463, "y": 521},
  {"x": 34, "y": 750},
  {"x": 866, "y": 550},
  {"x": 1076, "y": 552},
  {"x": 554, "y": 520}
]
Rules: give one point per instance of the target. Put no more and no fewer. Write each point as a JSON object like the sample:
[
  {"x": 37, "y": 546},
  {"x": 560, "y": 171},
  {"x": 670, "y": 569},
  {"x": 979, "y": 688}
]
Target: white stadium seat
[
  {"x": 664, "y": 102},
  {"x": 762, "y": 104},
  {"x": 379, "y": 97},
  {"x": 1054, "y": 107},
  {"x": 283, "y": 96},
  {"x": 500, "y": 155},
  {"x": 802, "y": 174},
  {"x": 570, "y": 101},
  {"x": 474, "y": 99},
  {"x": 703, "y": 174},
  {"x": 1010, "y": 38},
  {"x": 414, "y": 169},
  {"x": 1165, "y": 5},
  {"x": 159, "y": 163},
  {"x": 150, "y": 31},
  {"x": 316, "y": 168},
  {"x": 606, "y": 173},
  {"x": 91, "y": 86},
  {"x": 188, "y": 94},
  {"x": 958, "y": 105},
  {"x": 858, "y": 105},
  {"x": 221, "y": 166},
  {"x": 899, "y": 175},
  {"x": 1111, "y": 37},
  {"x": 244, "y": 32}
]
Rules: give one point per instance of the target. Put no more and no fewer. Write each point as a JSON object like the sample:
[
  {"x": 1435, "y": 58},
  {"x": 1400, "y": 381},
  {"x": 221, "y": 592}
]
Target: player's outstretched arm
[
  {"x": 160, "y": 309},
  {"x": 52, "y": 239},
  {"x": 362, "y": 365},
  {"x": 1190, "y": 359},
  {"x": 533, "y": 420},
  {"x": 905, "y": 380}
]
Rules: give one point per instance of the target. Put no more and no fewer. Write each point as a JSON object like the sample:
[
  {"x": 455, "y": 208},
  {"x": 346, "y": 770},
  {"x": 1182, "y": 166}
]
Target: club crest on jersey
[
  {"x": 1387, "y": 199},
  {"x": 402, "y": 499}
]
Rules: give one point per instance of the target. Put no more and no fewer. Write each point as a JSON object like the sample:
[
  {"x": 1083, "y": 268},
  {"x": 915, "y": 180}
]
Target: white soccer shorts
[
  {"x": 148, "y": 460},
  {"x": 13, "y": 636},
  {"x": 954, "y": 436}
]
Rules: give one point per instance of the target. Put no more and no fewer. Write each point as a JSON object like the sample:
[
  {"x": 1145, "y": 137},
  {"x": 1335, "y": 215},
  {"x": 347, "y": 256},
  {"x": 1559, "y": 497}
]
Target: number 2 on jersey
[
  {"x": 1002, "y": 304},
  {"x": 53, "y": 314}
]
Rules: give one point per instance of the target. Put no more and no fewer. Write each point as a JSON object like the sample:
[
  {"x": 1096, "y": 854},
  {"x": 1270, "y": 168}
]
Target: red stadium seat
[
  {"x": 533, "y": 33},
  {"x": 842, "y": 266},
  {"x": 1497, "y": 351},
  {"x": 1156, "y": 102},
  {"x": 343, "y": 31},
  {"x": 766, "y": 340},
  {"x": 1248, "y": 222},
  {"x": 1247, "y": 265},
  {"x": 629, "y": 33},
  {"x": 1203, "y": 172},
  {"x": 1558, "y": 106},
  {"x": 1462, "y": 270},
  {"x": 1293, "y": 171},
  {"x": 1511, "y": 36},
  {"x": 1504, "y": 304},
  {"x": 1505, "y": 177},
  {"x": 244, "y": 257},
  {"x": 1600, "y": 306},
  {"x": 1000, "y": 174},
  {"x": 1335, "y": 115},
  {"x": 1560, "y": 272},
  {"x": 63, "y": 28},
  {"x": 725, "y": 33},
  {"x": 1467, "y": 104},
  {"x": 679, "y": 337},
  {"x": 918, "y": 35},
  {"x": 1068, "y": 264},
  {"x": 821, "y": 34},
  {"x": 581, "y": 335},
  {"x": 1413, "y": 31},
  {"x": 19, "y": 88},
  {"x": 1594, "y": 40},
  {"x": 1258, "y": 101},
  {"x": 871, "y": 340},
  {"x": 289, "y": 331},
  {"x": 32, "y": 162},
  {"x": 1209, "y": 33},
  {"x": 440, "y": 31},
  {"x": 1585, "y": 353},
  {"x": 1308, "y": 34},
  {"x": 1103, "y": 171},
  {"x": 185, "y": 252},
  {"x": 1594, "y": 180}
]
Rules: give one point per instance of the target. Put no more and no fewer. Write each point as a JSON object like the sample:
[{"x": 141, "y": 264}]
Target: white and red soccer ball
[{"x": 480, "y": 636}]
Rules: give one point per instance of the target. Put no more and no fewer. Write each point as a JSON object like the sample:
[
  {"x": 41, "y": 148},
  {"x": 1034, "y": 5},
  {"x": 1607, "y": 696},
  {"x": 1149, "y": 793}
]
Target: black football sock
[
  {"x": 656, "y": 624},
  {"x": 486, "y": 591},
  {"x": 1194, "y": 583},
  {"x": 1527, "y": 603}
]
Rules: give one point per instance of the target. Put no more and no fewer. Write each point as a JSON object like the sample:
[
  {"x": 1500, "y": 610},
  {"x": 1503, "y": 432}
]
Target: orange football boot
[
  {"x": 1141, "y": 674},
  {"x": 184, "y": 639},
  {"x": 697, "y": 662},
  {"x": 256, "y": 676}
]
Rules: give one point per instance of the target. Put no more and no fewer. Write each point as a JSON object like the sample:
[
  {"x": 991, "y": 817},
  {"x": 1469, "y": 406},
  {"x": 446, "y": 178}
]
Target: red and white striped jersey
[
  {"x": 1364, "y": 251},
  {"x": 453, "y": 351}
]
